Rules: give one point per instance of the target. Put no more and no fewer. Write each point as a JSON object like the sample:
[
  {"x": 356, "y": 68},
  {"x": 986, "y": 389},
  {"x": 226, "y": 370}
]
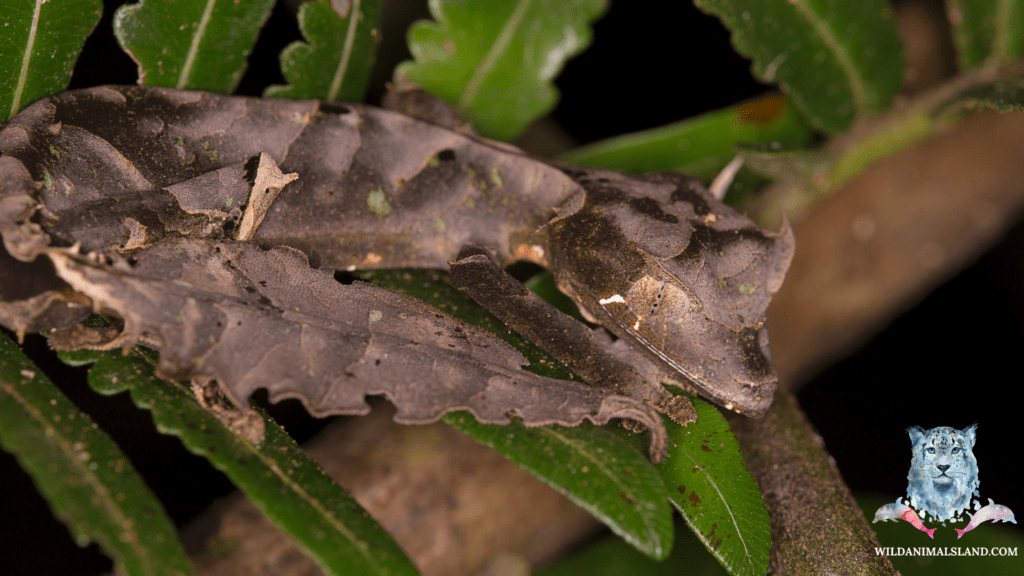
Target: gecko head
[{"x": 685, "y": 279}]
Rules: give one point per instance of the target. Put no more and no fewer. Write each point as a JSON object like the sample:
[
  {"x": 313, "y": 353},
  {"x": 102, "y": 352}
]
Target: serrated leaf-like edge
[
  {"x": 838, "y": 61},
  {"x": 277, "y": 475},
  {"x": 477, "y": 69},
  {"x": 87, "y": 480},
  {"x": 154, "y": 32},
  {"x": 351, "y": 50},
  {"x": 41, "y": 62}
]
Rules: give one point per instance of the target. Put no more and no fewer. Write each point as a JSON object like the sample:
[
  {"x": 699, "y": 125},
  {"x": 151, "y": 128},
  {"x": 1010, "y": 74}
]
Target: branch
[
  {"x": 896, "y": 230},
  {"x": 817, "y": 527},
  {"x": 452, "y": 504}
]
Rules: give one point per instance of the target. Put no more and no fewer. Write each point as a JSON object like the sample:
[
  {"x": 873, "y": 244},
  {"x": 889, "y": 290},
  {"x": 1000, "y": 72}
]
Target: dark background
[{"x": 951, "y": 361}]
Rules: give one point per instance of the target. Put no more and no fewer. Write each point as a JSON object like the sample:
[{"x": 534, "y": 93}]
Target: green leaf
[
  {"x": 708, "y": 482},
  {"x": 193, "y": 44},
  {"x": 613, "y": 557},
  {"x": 493, "y": 61},
  {"x": 597, "y": 470},
  {"x": 39, "y": 45},
  {"x": 276, "y": 475},
  {"x": 335, "y": 65},
  {"x": 837, "y": 61},
  {"x": 987, "y": 31},
  {"x": 699, "y": 146},
  {"x": 87, "y": 480}
]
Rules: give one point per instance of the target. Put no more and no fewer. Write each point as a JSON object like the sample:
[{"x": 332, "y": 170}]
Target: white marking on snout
[{"x": 609, "y": 300}]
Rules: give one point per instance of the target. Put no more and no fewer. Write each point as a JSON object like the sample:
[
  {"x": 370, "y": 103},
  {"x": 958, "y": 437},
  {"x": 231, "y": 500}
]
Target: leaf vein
[
  {"x": 72, "y": 456},
  {"x": 315, "y": 503},
  {"x": 711, "y": 481},
  {"x": 193, "y": 49},
  {"x": 350, "y": 39},
  {"x": 827, "y": 35},
  {"x": 600, "y": 465},
  {"x": 26, "y": 57},
  {"x": 490, "y": 60}
]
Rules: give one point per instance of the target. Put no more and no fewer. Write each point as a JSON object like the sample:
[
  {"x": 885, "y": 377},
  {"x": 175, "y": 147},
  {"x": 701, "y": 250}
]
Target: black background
[{"x": 951, "y": 361}]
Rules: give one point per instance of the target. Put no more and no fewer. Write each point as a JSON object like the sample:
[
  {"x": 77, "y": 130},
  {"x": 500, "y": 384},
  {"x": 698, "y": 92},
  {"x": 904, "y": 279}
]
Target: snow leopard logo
[{"x": 943, "y": 471}]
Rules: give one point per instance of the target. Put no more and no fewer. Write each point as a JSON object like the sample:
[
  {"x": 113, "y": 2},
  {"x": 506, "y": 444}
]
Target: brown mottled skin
[{"x": 682, "y": 278}]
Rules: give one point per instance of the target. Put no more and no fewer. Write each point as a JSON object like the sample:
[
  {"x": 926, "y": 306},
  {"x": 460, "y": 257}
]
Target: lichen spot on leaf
[{"x": 378, "y": 203}]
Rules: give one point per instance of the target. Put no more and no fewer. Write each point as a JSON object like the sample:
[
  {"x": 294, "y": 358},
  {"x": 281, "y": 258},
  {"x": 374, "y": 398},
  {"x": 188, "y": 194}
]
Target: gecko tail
[{"x": 959, "y": 532}]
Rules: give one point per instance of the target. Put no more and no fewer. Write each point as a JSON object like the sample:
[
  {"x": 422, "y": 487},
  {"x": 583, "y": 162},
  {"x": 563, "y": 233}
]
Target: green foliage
[
  {"x": 699, "y": 146},
  {"x": 193, "y": 44},
  {"x": 837, "y": 61},
  {"x": 494, "y": 61},
  {"x": 344, "y": 44},
  {"x": 39, "y": 45},
  {"x": 707, "y": 481},
  {"x": 276, "y": 475},
  {"x": 89, "y": 483},
  {"x": 987, "y": 31}
]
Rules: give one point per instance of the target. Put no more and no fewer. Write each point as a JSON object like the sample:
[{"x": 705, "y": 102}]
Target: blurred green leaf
[
  {"x": 343, "y": 44},
  {"x": 594, "y": 468},
  {"x": 836, "y": 61},
  {"x": 88, "y": 482},
  {"x": 191, "y": 44},
  {"x": 277, "y": 475},
  {"x": 493, "y": 60},
  {"x": 1003, "y": 96},
  {"x": 699, "y": 146},
  {"x": 39, "y": 45},
  {"x": 707, "y": 480},
  {"x": 987, "y": 31}
]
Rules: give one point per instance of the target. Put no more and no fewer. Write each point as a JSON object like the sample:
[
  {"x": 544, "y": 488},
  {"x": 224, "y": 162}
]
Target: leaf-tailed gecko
[{"x": 210, "y": 225}]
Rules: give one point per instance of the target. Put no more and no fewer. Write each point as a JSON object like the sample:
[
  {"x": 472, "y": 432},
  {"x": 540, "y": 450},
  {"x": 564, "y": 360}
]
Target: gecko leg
[{"x": 567, "y": 339}]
